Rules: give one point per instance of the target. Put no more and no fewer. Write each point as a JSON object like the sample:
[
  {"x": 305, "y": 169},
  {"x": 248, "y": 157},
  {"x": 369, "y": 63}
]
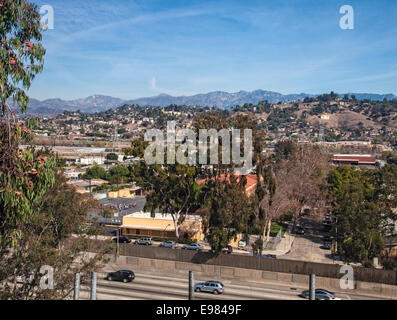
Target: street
[
  {"x": 154, "y": 286},
  {"x": 307, "y": 247}
]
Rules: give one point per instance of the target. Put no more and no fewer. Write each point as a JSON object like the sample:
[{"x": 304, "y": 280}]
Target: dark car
[
  {"x": 214, "y": 287},
  {"x": 320, "y": 294},
  {"x": 146, "y": 241},
  {"x": 122, "y": 240},
  {"x": 326, "y": 246},
  {"x": 327, "y": 221},
  {"x": 121, "y": 275},
  {"x": 327, "y": 227},
  {"x": 300, "y": 230},
  {"x": 228, "y": 250}
]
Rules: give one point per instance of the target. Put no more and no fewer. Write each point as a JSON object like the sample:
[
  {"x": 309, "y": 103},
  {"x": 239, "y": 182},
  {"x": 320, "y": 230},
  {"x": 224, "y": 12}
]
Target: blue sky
[{"x": 131, "y": 49}]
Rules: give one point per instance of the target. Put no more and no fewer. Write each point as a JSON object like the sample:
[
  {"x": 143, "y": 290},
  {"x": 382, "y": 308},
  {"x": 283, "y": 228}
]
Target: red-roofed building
[
  {"x": 249, "y": 187},
  {"x": 354, "y": 160}
]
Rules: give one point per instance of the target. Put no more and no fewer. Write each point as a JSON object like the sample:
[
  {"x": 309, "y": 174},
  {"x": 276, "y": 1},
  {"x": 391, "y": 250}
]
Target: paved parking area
[{"x": 307, "y": 247}]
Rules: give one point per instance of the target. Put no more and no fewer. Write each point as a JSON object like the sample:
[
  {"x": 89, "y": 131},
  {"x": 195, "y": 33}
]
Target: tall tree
[
  {"x": 172, "y": 189},
  {"x": 24, "y": 178},
  {"x": 61, "y": 213},
  {"x": 357, "y": 215},
  {"x": 303, "y": 171},
  {"x": 30, "y": 236},
  {"x": 226, "y": 209},
  {"x": 265, "y": 192}
]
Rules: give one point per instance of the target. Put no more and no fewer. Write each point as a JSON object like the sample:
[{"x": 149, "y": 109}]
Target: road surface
[{"x": 150, "y": 286}]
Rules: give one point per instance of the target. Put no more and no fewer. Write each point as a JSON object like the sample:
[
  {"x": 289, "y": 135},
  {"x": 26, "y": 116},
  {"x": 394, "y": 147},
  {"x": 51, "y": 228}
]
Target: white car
[{"x": 193, "y": 246}]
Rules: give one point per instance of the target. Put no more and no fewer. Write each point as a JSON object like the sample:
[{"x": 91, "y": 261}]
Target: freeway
[{"x": 150, "y": 286}]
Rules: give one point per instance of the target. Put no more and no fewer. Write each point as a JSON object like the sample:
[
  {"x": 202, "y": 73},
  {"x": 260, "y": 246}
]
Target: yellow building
[
  {"x": 142, "y": 224},
  {"x": 127, "y": 193}
]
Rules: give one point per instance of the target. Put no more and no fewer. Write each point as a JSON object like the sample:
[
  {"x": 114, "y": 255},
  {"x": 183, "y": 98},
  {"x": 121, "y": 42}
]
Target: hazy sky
[{"x": 130, "y": 49}]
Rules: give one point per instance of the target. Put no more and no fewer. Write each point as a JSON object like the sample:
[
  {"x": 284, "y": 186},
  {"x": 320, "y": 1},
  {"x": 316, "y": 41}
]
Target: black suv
[
  {"x": 122, "y": 240},
  {"x": 121, "y": 275}
]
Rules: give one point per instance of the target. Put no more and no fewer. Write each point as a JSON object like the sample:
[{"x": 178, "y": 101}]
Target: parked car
[
  {"x": 268, "y": 256},
  {"x": 327, "y": 221},
  {"x": 122, "y": 240},
  {"x": 300, "y": 230},
  {"x": 168, "y": 244},
  {"x": 326, "y": 246},
  {"x": 265, "y": 256},
  {"x": 146, "y": 241},
  {"x": 214, "y": 287},
  {"x": 193, "y": 246},
  {"x": 121, "y": 275},
  {"x": 228, "y": 250},
  {"x": 242, "y": 243},
  {"x": 327, "y": 227},
  {"x": 320, "y": 294}
]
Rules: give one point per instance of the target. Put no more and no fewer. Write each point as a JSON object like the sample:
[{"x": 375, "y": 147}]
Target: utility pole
[
  {"x": 191, "y": 285},
  {"x": 312, "y": 289},
  {"x": 336, "y": 240},
  {"x": 76, "y": 286},
  {"x": 94, "y": 277},
  {"x": 118, "y": 242}
]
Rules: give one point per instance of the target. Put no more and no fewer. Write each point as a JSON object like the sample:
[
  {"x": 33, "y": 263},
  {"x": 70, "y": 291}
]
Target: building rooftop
[
  {"x": 251, "y": 181},
  {"x": 160, "y": 216},
  {"x": 357, "y": 158}
]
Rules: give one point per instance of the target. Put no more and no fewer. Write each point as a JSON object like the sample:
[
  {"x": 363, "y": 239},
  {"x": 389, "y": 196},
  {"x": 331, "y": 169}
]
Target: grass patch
[{"x": 275, "y": 228}]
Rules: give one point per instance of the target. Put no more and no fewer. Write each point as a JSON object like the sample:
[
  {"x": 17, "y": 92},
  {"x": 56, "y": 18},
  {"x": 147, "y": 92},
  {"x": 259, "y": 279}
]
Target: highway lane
[
  {"x": 155, "y": 287},
  {"x": 149, "y": 286}
]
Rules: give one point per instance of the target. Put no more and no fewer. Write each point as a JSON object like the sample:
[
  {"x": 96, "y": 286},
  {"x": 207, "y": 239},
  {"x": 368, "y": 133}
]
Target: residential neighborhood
[{"x": 198, "y": 159}]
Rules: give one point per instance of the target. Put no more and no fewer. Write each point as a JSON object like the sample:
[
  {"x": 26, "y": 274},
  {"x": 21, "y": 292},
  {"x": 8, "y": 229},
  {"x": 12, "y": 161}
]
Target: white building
[{"x": 90, "y": 160}]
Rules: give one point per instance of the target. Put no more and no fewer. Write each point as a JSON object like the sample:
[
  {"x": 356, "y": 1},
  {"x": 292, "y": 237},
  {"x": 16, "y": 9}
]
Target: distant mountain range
[{"x": 218, "y": 99}]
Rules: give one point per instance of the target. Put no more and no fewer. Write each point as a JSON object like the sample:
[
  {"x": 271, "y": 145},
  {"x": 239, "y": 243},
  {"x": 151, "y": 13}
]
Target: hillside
[{"x": 218, "y": 99}]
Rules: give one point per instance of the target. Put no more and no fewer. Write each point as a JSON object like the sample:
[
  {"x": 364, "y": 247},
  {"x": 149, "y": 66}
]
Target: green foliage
[
  {"x": 38, "y": 210},
  {"x": 257, "y": 246},
  {"x": 362, "y": 209},
  {"x": 111, "y": 157},
  {"x": 137, "y": 149},
  {"x": 20, "y": 50},
  {"x": 172, "y": 189},
  {"x": 20, "y": 193},
  {"x": 389, "y": 264},
  {"x": 61, "y": 212},
  {"x": 118, "y": 175},
  {"x": 95, "y": 172},
  {"x": 227, "y": 209}
]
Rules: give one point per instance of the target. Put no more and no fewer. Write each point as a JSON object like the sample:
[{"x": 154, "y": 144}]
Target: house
[
  {"x": 355, "y": 160},
  {"x": 73, "y": 174},
  {"x": 90, "y": 160},
  {"x": 161, "y": 225},
  {"x": 126, "y": 193},
  {"x": 86, "y": 186}
]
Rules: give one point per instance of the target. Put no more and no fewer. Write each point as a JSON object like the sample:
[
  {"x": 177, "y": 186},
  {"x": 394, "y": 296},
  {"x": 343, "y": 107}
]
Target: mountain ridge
[{"x": 217, "y": 99}]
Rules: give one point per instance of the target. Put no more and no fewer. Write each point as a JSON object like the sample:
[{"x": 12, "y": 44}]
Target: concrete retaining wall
[
  {"x": 255, "y": 263},
  {"x": 217, "y": 272}
]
